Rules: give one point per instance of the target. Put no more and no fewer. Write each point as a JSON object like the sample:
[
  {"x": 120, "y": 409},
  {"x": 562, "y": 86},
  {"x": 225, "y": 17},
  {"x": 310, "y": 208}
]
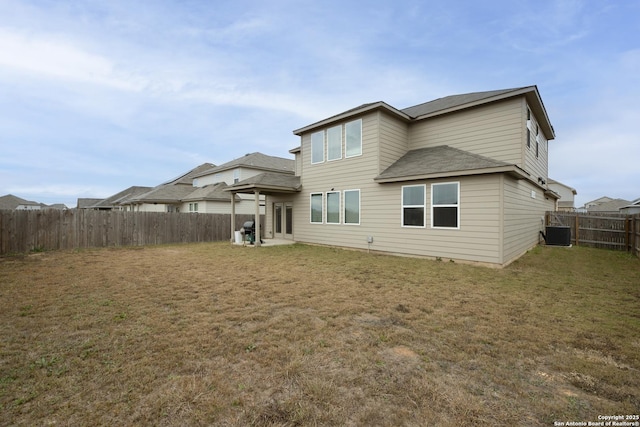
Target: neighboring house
[
  {"x": 631, "y": 209},
  {"x": 462, "y": 177},
  {"x": 87, "y": 203},
  {"x": 12, "y": 202},
  {"x": 596, "y": 202},
  {"x": 165, "y": 197},
  {"x": 567, "y": 195},
  {"x": 112, "y": 202},
  {"x": 606, "y": 204},
  {"x": 240, "y": 169}
]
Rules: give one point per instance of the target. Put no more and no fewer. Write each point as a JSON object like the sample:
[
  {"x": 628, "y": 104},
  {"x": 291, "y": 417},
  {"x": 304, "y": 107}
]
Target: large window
[
  {"x": 333, "y": 207},
  {"x": 353, "y": 136},
  {"x": 352, "y": 207},
  {"x": 317, "y": 147},
  {"x": 334, "y": 143},
  {"x": 413, "y": 205},
  {"x": 316, "y": 208},
  {"x": 445, "y": 205}
]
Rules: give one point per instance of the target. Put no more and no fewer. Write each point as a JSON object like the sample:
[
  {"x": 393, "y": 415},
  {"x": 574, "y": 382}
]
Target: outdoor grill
[{"x": 249, "y": 228}]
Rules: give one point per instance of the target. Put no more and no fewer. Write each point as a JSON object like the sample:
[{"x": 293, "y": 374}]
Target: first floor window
[
  {"x": 193, "y": 207},
  {"x": 413, "y": 205},
  {"x": 333, "y": 207},
  {"x": 445, "y": 205},
  {"x": 352, "y": 206},
  {"x": 316, "y": 208}
]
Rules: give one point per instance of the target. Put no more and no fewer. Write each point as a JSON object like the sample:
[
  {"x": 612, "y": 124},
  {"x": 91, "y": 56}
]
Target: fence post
[{"x": 577, "y": 227}]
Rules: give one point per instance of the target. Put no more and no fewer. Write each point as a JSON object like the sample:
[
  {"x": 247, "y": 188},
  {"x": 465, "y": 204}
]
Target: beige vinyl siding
[
  {"x": 536, "y": 166},
  {"x": 478, "y": 238},
  {"x": 493, "y": 130},
  {"x": 298, "y": 164},
  {"x": 523, "y": 217},
  {"x": 394, "y": 140},
  {"x": 353, "y": 173}
]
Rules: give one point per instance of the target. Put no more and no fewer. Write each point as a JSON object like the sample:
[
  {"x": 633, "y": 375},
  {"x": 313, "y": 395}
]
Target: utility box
[{"x": 558, "y": 235}]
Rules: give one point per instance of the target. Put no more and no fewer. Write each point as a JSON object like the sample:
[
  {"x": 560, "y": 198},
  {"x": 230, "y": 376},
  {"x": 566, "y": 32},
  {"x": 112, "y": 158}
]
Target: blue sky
[{"x": 97, "y": 96}]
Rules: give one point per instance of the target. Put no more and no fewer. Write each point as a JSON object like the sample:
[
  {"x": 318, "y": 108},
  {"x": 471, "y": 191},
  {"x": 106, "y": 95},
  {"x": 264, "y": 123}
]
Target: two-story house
[{"x": 462, "y": 177}]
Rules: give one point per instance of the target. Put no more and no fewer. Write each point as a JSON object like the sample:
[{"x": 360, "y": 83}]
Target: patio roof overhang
[{"x": 267, "y": 183}]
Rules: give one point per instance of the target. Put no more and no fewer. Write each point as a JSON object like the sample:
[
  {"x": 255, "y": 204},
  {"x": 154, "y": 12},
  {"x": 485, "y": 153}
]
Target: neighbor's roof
[
  {"x": 11, "y": 202},
  {"x": 449, "y": 104},
  {"x": 443, "y": 161},
  {"x": 163, "y": 194},
  {"x": 254, "y": 161},
  {"x": 268, "y": 182},
  {"x": 187, "y": 178},
  {"x": 213, "y": 192},
  {"x": 121, "y": 197}
]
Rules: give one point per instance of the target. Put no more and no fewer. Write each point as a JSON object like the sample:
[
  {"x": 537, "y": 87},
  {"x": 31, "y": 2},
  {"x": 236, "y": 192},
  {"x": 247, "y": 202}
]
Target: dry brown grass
[{"x": 209, "y": 334}]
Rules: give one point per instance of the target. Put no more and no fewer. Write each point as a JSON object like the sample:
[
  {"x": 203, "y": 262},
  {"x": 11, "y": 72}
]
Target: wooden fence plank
[
  {"x": 50, "y": 229},
  {"x": 601, "y": 230}
]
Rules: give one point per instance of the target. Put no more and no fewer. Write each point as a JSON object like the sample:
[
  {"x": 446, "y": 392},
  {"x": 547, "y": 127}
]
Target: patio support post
[
  {"x": 233, "y": 217},
  {"x": 257, "y": 218}
]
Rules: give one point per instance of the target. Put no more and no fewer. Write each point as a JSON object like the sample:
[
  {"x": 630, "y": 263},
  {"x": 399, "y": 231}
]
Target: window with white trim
[
  {"x": 334, "y": 143},
  {"x": 537, "y": 141},
  {"x": 193, "y": 207},
  {"x": 316, "y": 208},
  {"x": 317, "y": 147},
  {"x": 333, "y": 207},
  {"x": 413, "y": 205},
  {"x": 352, "y": 207},
  {"x": 353, "y": 137},
  {"x": 236, "y": 176},
  {"x": 445, "y": 205}
]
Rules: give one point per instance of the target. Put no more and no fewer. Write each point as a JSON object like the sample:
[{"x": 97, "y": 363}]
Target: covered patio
[{"x": 267, "y": 184}]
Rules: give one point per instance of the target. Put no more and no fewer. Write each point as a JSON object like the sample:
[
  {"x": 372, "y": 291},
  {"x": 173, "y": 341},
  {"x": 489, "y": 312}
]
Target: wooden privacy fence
[
  {"x": 601, "y": 230},
  {"x": 49, "y": 229}
]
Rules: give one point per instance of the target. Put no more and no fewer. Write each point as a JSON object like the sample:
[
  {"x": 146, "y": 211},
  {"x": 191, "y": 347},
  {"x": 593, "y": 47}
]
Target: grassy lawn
[{"x": 208, "y": 334}]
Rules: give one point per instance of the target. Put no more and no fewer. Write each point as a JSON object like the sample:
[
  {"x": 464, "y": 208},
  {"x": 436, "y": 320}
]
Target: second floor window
[
  {"x": 334, "y": 143},
  {"x": 331, "y": 142},
  {"x": 317, "y": 147},
  {"x": 353, "y": 135}
]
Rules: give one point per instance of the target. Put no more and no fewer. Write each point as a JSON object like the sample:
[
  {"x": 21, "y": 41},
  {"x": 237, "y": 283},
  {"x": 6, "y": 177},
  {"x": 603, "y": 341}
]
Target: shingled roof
[
  {"x": 445, "y": 160},
  {"x": 453, "y": 101},
  {"x": 254, "y": 161},
  {"x": 268, "y": 182}
]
